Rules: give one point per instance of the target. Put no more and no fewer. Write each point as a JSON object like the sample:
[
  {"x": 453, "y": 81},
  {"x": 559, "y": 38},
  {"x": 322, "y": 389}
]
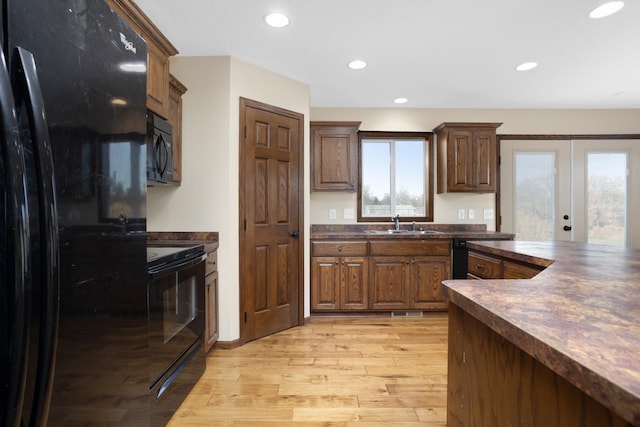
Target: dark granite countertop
[
  {"x": 580, "y": 316},
  {"x": 379, "y": 231}
]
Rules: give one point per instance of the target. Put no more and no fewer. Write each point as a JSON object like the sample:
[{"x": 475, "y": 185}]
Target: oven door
[{"x": 176, "y": 313}]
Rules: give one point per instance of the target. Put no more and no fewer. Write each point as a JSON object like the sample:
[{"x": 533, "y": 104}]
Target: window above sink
[{"x": 395, "y": 177}]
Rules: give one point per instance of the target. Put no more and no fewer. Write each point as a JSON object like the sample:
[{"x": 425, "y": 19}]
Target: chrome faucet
[{"x": 396, "y": 222}]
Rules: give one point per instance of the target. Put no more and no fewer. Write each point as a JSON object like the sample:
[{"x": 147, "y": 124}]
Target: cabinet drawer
[
  {"x": 410, "y": 247},
  {"x": 338, "y": 248},
  {"x": 485, "y": 267},
  {"x": 519, "y": 271},
  {"x": 212, "y": 263}
]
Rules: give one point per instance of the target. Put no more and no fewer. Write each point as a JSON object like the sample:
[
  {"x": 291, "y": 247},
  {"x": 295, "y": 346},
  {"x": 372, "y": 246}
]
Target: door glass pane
[
  {"x": 606, "y": 198},
  {"x": 534, "y": 195}
]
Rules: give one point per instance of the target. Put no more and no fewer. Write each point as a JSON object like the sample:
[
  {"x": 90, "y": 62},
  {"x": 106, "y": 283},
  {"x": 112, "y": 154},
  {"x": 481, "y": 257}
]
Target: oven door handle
[{"x": 162, "y": 270}]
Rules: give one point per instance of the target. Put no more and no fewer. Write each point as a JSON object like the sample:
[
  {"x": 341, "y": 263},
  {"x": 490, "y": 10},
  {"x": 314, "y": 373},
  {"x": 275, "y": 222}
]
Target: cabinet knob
[
  {"x": 480, "y": 265},
  {"x": 339, "y": 248}
]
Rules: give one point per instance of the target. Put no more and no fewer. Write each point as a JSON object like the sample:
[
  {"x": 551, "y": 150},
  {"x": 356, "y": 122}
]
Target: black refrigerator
[{"x": 73, "y": 296}]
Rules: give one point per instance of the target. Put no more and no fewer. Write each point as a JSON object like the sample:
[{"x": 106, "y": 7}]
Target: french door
[{"x": 580, "y": 190}]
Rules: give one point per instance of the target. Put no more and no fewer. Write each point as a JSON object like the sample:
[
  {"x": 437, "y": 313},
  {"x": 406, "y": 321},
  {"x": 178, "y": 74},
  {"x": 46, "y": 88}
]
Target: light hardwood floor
[{"x": 334, "y": 371}]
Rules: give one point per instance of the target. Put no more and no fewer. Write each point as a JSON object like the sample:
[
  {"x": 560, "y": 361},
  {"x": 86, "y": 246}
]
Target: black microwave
[{"x": 159, "y": 150}]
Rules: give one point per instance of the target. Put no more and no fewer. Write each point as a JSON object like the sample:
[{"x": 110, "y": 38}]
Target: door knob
[
  {"x": 295, "y": 233},
  {"x": 567, "y": 228}
]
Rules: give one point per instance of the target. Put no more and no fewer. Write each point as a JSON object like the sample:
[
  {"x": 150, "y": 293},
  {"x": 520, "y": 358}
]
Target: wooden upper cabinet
[
  {"x": 467, "y": 157},
  {"x": 334, "y": 156},
  {"x": 159, "y": 49},
  {"x": 176, "y": 90}
]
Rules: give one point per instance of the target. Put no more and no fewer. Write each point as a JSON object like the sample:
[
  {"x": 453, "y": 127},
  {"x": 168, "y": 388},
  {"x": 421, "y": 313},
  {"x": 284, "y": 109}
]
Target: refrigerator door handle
[
  {"x": 28, "y": 86},
  {"x": 18, "y": 297}
]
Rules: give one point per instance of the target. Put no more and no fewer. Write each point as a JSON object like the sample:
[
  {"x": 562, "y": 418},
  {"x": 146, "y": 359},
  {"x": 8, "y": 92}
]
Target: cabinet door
[
  {"x": 211, "y": 310},
  {"x": 427, "y": 274},
  {"x": 157, "y": 81},
  {"x": 460, "y": 161},
  {"x": 484, "y": 161},
  {"x": 354, "y": 282},
  {"x": 176, "y": 90},
  {"x": 325, "y": 283},
  {"x": 389, "y": 283},
  {"x": 467, "y": 157},
  {"x": 334, "y": 158}
]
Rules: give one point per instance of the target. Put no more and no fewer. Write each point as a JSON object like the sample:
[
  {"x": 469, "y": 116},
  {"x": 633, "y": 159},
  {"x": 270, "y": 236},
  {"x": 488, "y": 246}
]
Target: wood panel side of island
[{"x": 492, "y": 382}]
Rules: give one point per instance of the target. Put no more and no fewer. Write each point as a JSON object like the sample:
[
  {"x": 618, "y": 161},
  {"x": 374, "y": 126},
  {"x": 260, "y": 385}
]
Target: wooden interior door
[{"x": 271, "y": 212}]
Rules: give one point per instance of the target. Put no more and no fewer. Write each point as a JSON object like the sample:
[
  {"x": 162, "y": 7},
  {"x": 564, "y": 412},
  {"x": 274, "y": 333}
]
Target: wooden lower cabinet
[
  {"x": 390, "y": 283},
  {"x": 488, "y": 266},
  {"x": 427, "y": 274},
  {"x": 400, "y": 283},
  {"x": 484, "y": 266},
  {"x": 339, "y": 283},
  {"x": 492, "y": 382},
  {"x": 397, "y": 275},
  {"x": 211, "y": 327}
]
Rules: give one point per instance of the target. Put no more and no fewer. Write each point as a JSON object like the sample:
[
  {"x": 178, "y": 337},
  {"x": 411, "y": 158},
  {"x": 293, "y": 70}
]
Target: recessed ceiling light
[
  {"x": 606, "y": 9},
  {"x": 526, "y": 66},
  {"x": 357, "y": 64},
  {"x": 276, "y": 20},
  {"x": 400, "y": 100}
]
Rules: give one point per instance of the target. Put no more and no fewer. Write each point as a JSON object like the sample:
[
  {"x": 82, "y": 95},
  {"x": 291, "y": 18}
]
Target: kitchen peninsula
[{"x": 560, "y": 349}]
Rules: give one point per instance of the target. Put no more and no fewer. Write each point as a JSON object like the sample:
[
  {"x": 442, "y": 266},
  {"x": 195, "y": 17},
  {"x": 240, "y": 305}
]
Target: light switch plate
[
  {"x": 488, "y": 214},
  {"x": 348, "y": 213},
  {"x": 472, "y": 214},
  {"x": 461, "y": 214},
  {"x": 332, "y": 214}
]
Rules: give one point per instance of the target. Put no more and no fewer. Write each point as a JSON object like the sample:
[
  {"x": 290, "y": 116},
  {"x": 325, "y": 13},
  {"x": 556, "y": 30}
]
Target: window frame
[{"x": 429, "y": 167}]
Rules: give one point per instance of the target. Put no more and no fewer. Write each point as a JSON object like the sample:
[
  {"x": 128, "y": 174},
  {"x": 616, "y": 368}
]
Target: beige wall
[
  {"x": 446, "y": 206},
  {"x": 207, "y": 200}
]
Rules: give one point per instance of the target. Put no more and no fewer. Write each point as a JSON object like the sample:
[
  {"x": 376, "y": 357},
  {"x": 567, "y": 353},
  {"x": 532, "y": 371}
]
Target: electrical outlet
[
  {"x": 461, "y": 214},
  {"x": 488, "y": 214},
  {"x": 472, "y": 214},
  {"x": 332, "y": 214},
  {"x": 348, "y": 213}
]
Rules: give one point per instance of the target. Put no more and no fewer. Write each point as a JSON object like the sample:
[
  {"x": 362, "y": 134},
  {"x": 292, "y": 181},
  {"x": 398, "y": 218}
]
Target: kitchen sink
[{"x": 409, "y": 232}]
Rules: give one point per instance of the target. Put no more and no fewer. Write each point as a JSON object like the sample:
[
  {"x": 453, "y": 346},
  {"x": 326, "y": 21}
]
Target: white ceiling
[{"x": 436, "y": 53}]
